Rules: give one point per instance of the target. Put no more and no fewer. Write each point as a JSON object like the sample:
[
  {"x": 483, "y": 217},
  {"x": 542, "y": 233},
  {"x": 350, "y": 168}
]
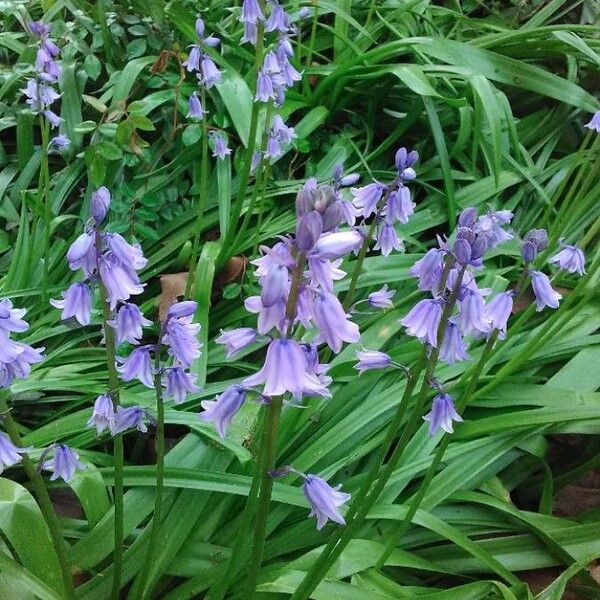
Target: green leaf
[
  {"x": 191, "y": 134},
  {"x": 92, "y": 66},
  {"x": 23, "y": 525}
]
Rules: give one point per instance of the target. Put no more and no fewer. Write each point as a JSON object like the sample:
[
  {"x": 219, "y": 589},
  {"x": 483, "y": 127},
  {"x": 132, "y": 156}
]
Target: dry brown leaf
[{"x": 172, "y": 286}]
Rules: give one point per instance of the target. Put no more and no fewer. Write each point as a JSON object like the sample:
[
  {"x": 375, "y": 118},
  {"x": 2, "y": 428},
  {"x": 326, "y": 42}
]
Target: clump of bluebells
[
  {"x": 40, "y": 89},
  {"x": 110, "y": 264},
  {"x": 16, "y": 360},
  {"x": 299, "y": 312}
]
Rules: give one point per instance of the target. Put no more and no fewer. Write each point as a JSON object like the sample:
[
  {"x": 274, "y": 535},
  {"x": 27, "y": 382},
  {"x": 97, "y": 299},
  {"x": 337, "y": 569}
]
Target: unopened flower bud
[
  {"x": 466, "y": 233},
  {"x": 99, "y": 204},
  {"x": 350, "y": 179},
  {"x": 462, "y": 251},
  {"x": 539, "y": 237},
  {"x": 478, "y": 247},
  {"x": 323, "y": 197},
  {"x": 529, "y": 251},
  {"x": 305, "y": 197},
  {"x": 333, "y": 215},
  {"x": 467, "y": 217},
  {"x": 308, "y": 230}
]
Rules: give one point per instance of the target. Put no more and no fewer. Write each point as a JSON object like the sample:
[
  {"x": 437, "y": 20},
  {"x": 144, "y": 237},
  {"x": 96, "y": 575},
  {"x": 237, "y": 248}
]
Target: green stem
[
  {"x": 45, "y": 201},
  {"x": 218, "y": 591},
  {"x": 113, "y": 382},
  {"x": 268, "y": 452},
  {"x": 370, "y": 13},
  {"x": 202, "y": 193},
  {"x": 43, "y": 499},
  {"x": 268, "y": 456},
  {"x": 365, "y": 499},
  {"x": 591, "y": 233},
  {"x": 400, "y": 528},
  {"x": 153, "y": 539},
  {"x": 236, "y": 211}
]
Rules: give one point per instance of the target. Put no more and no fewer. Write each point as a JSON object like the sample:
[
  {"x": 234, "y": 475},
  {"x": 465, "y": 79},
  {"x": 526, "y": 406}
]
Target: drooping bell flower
[
  {"x": 222, "y": 410},
  {"x": 442, "y": 414},
  {"x": 544, "y": 294},
  {"x": 63, "y": 464},
  {"x": 423, "y": 320},
  {"x": 76, "y": 302},
  {"x": 324, "y": 500}
]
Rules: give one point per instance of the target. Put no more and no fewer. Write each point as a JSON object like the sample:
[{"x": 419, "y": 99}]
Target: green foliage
[{"x": 493, "y": 96}]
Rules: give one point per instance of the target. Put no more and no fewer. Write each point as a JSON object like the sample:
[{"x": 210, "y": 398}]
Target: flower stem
[
  {"x": 43, "y": 499},
  {"x": 366, "y": 498},
  {"x": 202, "y": 193},
  {"x": 236, "y": 211},
  {"x": 160, "y": 471},
  {"x": 218, "y": 591},
  {"x": 113, "y": 382},
  {"x": 45, "y": 201},
  {"x": 400, "y": 528},
  {"x": 268, "y": 455},
  {"x": 268, "y": 451}
]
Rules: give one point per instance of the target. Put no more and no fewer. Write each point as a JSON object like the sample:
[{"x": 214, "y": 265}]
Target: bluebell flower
[
  {"x": 404, "y": 161},
  {"x": 60, "y": 142},
  {"x": 324, "y": 500},
  {"x": 129, "y": 255},
  {"x": 76, "y": 303},
  {"x": 251, "y": 12},
  {"x": 324, "y": 272},
  {"x": 498, "y": 310},
  {"x": 11, "y": 319},
  {"x": 183, "y": 309},
  {"x": 387, "y": 239},
  {"x": 381, "y": 298},
  {"x": 453, "y": 347},
  {"x": 423, "y": 320},
  {"x": 273, "y": 150},
  {"x": 210, "y": 73},
  {"x": 9, "y": 453},
  {"x": 400, "y": 206},
  {"x": 39, "y": 28},
  {"x": 308, "y": 230},
  {"x": 594, "y": 122},
  {"x": 544, "y": 294},
  {"x": 9, "y": 350},
  {"x": 472, "y": 316},
  {"x": 178, "y": 384},
  {"x": 192, "y": 64},
  {"x": 429, "y": 270},
  {"x": 278, "y": 19},
  {"x": 121, "y": 282},
  {"x": 570, "y": 258},
  {"x": 491, "y": 227},
  {"x": 219, "y": 144},
  {"x": 99, "y": 204},
  {"x": 19, "y": 367},
  {"x": 131, "y": 417},
  {"x": 250, "y": 34},
  {"x": 236, "y": 339},
  {"x": 468, "y": 217},
  {"x": 337, "y": 244},
  {"x": 64, "y": 463},
  {"x": 103, "y": 415},
  {"x": 181, "y": 337},
  {"x": 442, "y": 414},
  {"x": 371, "y": 359},
  {"x": 268, "y": 316},
  {"x": 264, "y": 87},
  {"x": 332, "y": 321},
  {"x": 128, "y": 323},
  {"x": 82, "y": 253},
  {"x": 285, "y": 370},
  {"x": 195, "y": 109},
  {"x": 138, "y": 365},
  {"x": 366, "y": 198},
  {"x": 222, "y": 410},
  {"x": 282, "y": 131}
]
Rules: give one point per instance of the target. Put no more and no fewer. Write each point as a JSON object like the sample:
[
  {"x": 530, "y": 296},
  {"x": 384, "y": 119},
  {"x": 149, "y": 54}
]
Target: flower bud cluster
[{"x": 39, "y": 90}]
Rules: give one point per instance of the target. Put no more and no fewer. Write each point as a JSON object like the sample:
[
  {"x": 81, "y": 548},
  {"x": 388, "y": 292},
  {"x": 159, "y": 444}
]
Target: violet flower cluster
[
  {"x": 277, "y": 73},
  {"x": 208, "y": 75},
  {"x": 298, "y": 311},
  {"x": 39, "y": 90},
  {"x": 16, "y": 360}
]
